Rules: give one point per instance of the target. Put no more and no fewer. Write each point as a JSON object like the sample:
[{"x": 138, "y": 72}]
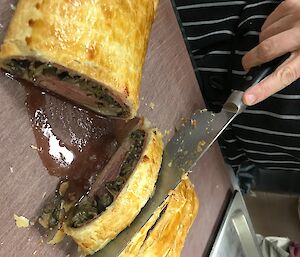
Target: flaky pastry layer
[
  {"x": 120, "y": 214},
  {"x": 105, "y": 40},
  {"x": 165, "y": 232}
]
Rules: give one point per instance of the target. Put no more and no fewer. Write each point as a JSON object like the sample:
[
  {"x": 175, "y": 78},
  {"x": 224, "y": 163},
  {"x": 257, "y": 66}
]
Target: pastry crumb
[
  {"x": 13, "y": 7},
  {"x": 44, "y": 195},
  {"x": 58, "y": 237},
  {"x": 34, "y": 147},
  {"x": 152, "y": 105},
  {"x": 170, "y": 164},
  {"x": 201, "y": 143},
  {"x": 63, "y": 188},
  {"x": 21, "y": 222},
  {"x": 193, "y": 123},
  {"x": 167, "y": 132}
]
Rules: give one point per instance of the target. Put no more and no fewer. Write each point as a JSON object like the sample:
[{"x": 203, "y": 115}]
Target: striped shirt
[{"x": 219, "y": 33}]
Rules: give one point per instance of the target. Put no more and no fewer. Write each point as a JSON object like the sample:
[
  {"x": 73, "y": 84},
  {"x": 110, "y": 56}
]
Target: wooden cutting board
[{"x": 169, "y": 93}]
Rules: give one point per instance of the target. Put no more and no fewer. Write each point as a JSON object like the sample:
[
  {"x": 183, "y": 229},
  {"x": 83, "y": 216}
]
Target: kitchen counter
[{"x": 169, "y": 93}]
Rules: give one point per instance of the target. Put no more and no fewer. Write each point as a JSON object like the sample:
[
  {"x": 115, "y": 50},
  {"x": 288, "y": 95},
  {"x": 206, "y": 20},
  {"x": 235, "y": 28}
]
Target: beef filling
[
  {"x": 53, "y": 212},
  {"x": 36, "y": 70},
  {"x": 105, "y": 190},
  {"x": 95, "y": 203}
]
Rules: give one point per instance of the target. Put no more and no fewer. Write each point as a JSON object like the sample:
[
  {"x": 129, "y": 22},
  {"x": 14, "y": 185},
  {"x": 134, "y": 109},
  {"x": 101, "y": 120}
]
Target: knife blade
[{"x": 185, "y": 148}]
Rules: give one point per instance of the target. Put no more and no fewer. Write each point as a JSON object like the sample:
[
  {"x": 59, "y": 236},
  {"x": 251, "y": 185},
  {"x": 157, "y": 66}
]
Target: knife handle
[{"x": 234, "y": 103}]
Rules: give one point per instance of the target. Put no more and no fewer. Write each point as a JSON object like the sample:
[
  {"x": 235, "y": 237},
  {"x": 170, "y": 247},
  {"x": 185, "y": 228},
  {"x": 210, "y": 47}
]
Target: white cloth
[{"x": 274, "y": 246}]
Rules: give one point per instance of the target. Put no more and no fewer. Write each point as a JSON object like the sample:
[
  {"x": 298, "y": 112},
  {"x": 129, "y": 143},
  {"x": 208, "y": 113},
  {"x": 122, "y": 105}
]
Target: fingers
[
  {"x": 270, "y": 48},
  {"x": 283, "y": 9},
  {"x": 277, "y": 27},
  {"x": 280, "y": 34},
  {"x": 283, "y": 76}
]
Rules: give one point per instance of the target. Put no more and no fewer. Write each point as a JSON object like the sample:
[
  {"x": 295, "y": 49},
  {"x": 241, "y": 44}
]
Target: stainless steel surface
[
  {"x": 189, "y": 144},
  {"x": 235, "y": 103},
  {"x": 249, "y": 246},
  {"x": 236, "y": 237}
]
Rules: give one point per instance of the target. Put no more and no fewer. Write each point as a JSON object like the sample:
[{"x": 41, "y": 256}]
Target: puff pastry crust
[
  {"x": 164, "y": 234},
  {"x": 103, "y": 40},
  {"x": 120, "y": 214}
]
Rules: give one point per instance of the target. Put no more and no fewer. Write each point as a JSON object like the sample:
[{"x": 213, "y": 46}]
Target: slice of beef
[
  {"x": 73, "y": 86},
  {"x": 110, "y": 181}
]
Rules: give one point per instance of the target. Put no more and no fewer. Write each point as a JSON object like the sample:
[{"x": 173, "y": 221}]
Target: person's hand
[{"x": 280, "y": 34}]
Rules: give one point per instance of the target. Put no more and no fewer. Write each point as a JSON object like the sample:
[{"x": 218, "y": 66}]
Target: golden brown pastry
[
  {"x": 164, "y": 234},
  {"x": 91, "y": 52},
  {"x": 95, "y": 220},
  {"x": 95, "y": 234},
  {"x": 120, "y": 191}
]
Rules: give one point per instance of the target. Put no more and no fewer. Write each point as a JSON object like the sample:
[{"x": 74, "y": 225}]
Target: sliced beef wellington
[
  {"x": 91, "y": 52},
  {"x": 165, "y": 232},
  {"x": 116, "y": 197}
]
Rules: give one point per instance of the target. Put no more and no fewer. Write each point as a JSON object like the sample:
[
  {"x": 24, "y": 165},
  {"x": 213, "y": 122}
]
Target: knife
[{"x": 185, "y": 148}]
